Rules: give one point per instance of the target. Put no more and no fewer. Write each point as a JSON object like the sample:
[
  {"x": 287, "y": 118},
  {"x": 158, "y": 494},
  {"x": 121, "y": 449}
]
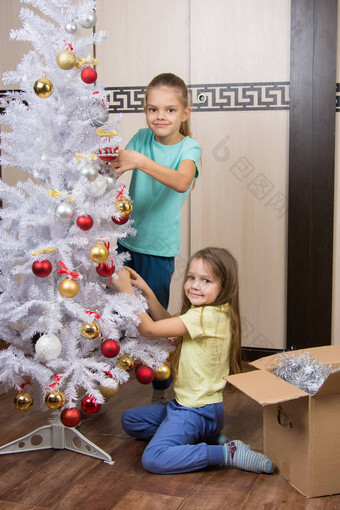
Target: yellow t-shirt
[{"x": 204, "y": 358}]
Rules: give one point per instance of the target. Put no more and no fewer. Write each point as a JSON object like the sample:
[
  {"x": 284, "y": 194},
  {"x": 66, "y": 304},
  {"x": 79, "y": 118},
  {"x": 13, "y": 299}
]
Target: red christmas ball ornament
[
  {"x": 42, "y": 268},
  {"x": 145, "y": 374},
  {"x": 88, "y": 75},
  {"x": 105, "y": 270},
  {"x": 108, "y": 153},
  {"x": 90, "y": 405},
  {"x": 85, "y": 222},
  {"x": 110, "y": 348},
  {"x": 121, "y": 220},
  {"x": 70, "y": 417}
]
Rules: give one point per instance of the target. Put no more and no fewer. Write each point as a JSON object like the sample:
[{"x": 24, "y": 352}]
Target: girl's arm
[
  {"x": 178, "y": 180},
  {"x": 160, "y": 327},
  {"x": 165, "y": 328},
  {"x": 157, "y": 311}
]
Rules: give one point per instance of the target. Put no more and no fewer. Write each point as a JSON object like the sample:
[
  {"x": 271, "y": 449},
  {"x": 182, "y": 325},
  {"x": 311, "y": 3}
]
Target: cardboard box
[{"x": 301, "y": 432}]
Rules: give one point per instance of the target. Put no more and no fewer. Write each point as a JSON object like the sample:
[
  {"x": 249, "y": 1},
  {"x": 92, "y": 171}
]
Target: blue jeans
[
  {"x": 178, "y": 436},
  {"x": 156, "y": 271}
]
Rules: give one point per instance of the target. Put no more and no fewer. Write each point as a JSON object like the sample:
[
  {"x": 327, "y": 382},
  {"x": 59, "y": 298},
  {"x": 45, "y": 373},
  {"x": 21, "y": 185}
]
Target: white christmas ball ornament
[
  {"x": 48, "y": 347},
  {"x": 88, "y": 170},
  {"x": 110, "y": 180},
  {"x": 89, "y": 20},
  {"x": 64, "y": 211},
  {"x": 97, "y": 187},
  {"x": 71, "y": 27}
]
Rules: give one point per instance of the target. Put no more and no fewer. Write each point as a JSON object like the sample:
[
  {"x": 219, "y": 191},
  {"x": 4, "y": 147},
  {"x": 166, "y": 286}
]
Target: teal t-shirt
[{"x": 157, "y": 208}]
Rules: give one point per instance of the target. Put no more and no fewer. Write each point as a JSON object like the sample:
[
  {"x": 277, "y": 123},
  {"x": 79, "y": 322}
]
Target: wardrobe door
[
  {"x": 336, "y": 253},
  {"x": 239, "y": 71}
]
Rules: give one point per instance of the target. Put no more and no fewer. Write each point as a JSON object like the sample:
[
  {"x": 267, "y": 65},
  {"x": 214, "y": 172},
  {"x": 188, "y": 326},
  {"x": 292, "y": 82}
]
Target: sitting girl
[{"x": 208, "y": 349}]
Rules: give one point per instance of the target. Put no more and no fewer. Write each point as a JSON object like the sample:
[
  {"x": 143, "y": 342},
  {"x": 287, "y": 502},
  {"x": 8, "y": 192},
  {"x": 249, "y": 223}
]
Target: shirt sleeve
[
  {"x": 192, "y": 320},
  {"x": 193, "y": 153}
]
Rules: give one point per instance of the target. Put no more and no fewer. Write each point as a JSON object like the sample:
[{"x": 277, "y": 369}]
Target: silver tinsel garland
[{"x": 303, "y": 371}]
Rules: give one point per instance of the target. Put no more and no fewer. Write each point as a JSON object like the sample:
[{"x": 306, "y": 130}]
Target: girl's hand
[
  {"x": 127, "y": 160},
  {"x": 123, "y": 282},
  {"x": 138, "y": 281}
]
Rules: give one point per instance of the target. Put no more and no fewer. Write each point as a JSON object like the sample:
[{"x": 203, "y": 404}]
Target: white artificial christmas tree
[{"x": 72, "y": 338}]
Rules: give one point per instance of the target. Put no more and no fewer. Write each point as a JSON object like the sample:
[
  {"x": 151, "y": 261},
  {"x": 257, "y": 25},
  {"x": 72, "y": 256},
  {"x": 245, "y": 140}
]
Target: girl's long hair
[
  {"x": 173, "y": 81},
  {"x": 224, "y": 268}
]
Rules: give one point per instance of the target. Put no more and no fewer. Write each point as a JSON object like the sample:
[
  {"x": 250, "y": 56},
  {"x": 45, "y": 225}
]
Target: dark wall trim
[
  {"x": 311, "y": 172},
  {"x": 220, "y": 97},
  {"x": 253, "y": 353}
]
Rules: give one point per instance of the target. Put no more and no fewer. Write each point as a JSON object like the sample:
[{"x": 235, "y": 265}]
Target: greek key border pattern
[
  {"x": 211, "y": 97},
  {"x": 337, "y": 97}
]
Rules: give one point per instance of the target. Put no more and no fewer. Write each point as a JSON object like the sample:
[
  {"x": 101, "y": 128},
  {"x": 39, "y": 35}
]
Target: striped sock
[{"x": 239, "y": 455}]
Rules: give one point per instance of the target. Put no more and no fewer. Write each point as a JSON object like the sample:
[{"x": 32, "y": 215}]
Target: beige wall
[{"x": 245, "y": 153}]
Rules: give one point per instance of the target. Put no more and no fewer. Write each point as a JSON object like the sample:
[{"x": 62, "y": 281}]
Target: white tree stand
[{"x": 56, "y": 436}]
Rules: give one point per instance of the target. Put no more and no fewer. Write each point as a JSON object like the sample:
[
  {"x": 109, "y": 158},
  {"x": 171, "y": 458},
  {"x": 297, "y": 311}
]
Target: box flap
[
  {"x": 331, "y": 385},
  {"x": 265, "y": 387},
  {"x": 327, "y": 354}
]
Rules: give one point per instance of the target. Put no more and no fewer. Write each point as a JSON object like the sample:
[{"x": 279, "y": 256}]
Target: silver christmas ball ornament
[
  {"x": 89, "y": 20},
  {"x": 93, "y": 111},
  {"x": 64, "y": 211},
  {"x": 100, "y": 114},
  {"x": 71, "y": 27},
  {"x": 88, "y": 170}
]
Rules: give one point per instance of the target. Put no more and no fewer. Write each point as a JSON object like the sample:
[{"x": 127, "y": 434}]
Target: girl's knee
[
  {"x": 150, "y": 463},
  {"x": 127, "y": 422}
]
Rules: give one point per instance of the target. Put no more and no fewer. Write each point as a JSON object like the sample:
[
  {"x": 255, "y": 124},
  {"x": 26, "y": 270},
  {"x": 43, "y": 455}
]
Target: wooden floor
[{"x": 64, "y": 480}]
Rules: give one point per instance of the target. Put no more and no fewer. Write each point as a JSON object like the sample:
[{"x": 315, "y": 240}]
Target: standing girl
[
  {"x": 164, "y": 159},
  {"x": 208, "y": 350}
]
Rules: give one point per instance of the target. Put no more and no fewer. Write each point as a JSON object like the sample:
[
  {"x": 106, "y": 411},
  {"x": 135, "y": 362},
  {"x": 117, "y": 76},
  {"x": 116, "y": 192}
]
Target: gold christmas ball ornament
[
  {"x": 123, "y": 206},
  {"x": 43, "y": 87},
  {"x": 108, "y": 388},
  {"x": 90, "y": 330},
  {"x": 126, "y": 362},
  {"x": 163, "y": 373},
  {"x": 23, "y": 401},
  {"x": 55, "y": 400},
  {"x": 98, "y": 253},
  {"x": 66, "y": 59},
  {"x": 68, "y": 288}
]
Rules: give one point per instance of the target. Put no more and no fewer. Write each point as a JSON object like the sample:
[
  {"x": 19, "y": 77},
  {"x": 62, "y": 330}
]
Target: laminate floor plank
[
  {"x": 220, "y": 488},
  {"x": 169, "y": 485},
  {"x": 149, "y": 501},
  {"x": 6, "y": 505},
  {"x": 16, "y": 467}
]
